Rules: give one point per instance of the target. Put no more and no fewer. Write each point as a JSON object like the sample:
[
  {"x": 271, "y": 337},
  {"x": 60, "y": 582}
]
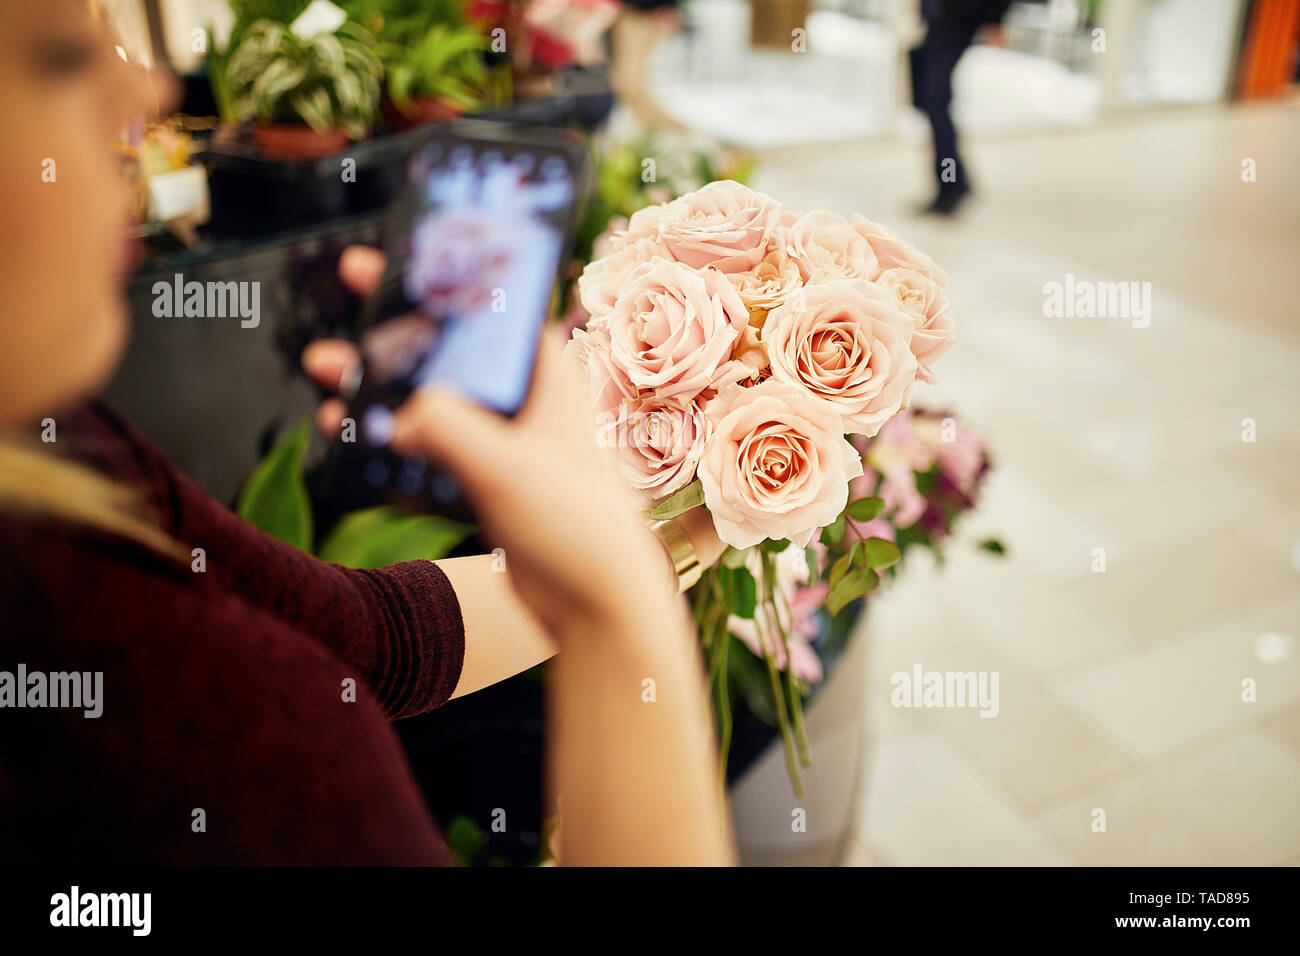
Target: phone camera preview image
[
  {"x": 474, "y": 252},
  {"x": 481, "y": 262}
]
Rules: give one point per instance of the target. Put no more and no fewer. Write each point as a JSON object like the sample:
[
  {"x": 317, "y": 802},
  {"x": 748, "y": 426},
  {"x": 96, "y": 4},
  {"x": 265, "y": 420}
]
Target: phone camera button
[
  {"x": 446, "y": 489},
  {"x": 411, "y": 480},
  {"x": 378, "y": 426}
]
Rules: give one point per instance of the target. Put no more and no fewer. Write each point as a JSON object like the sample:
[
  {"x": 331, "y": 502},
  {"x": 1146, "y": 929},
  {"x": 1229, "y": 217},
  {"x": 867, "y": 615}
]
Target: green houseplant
[
  {"x": 245, "y": 14},
  {"x": 275, "y": 499},
  {"x": 438, "y": 76},
  {"x": 308, "y": 97}
]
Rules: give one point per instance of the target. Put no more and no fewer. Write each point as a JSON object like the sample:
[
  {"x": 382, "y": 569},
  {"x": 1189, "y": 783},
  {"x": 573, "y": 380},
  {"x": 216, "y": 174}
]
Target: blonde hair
[{"x": 35, "y": 482}]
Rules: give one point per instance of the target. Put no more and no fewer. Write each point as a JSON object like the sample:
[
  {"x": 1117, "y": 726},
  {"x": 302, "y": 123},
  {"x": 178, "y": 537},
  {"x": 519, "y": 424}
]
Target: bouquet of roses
[{"x": 735, "y": 350}]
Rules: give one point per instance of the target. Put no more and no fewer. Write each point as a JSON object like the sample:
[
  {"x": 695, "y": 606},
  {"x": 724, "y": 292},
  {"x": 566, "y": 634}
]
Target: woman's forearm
[
  {"x": 634, "y": 758},
  {"x": 502, "y": 636}
]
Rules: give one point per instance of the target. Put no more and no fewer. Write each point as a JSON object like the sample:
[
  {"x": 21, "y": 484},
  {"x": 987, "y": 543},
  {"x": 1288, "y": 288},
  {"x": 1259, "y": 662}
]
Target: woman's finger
[
  {"x": 362, "y": 268},
  {"x": 471, "y": 441},
  {"x": 330, "y": 362},
  {"x": 329, "y": 416}
]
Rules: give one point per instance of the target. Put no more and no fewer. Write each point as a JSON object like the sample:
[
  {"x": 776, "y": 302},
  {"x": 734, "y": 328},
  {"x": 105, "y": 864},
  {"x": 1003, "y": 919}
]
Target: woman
[{"x": 246, "y": 686}]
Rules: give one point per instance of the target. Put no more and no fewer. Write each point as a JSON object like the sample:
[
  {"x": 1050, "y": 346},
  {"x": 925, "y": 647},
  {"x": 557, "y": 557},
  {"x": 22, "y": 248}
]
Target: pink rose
[
  {"x": 768, "y": 284},
  {"x": 603, "y": 278},
  {"x": 960, "y": 452},
  {"x": 659, "y": 444},
  {"x": 750, "y": 358},
  {"x": 672, "y": 329},
  {"x": 826, "y": 247},
  {"x": 609, "y": 240},
  {"x": 926, "y": 302},
  {"x": 894, "y": 252},
  {"x": 776, "y": 464},
  {"x": 644, "y": 225},
  {"x": 846, "y": 343},
  {"x": 457, "y": 259},
  {"x": 607, "y": 384},
  {"x": 724, "y": 225}
]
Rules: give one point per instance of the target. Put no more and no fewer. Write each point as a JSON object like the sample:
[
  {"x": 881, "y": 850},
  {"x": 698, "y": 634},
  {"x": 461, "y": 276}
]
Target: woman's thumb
[{"x": 445, "y": 427}]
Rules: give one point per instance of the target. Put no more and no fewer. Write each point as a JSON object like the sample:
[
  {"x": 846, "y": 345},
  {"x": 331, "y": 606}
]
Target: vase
[{"x": 776, "y": 828}]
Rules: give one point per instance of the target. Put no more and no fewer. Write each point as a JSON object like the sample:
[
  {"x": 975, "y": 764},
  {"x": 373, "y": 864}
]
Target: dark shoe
[{"x": 946, "y": 203}]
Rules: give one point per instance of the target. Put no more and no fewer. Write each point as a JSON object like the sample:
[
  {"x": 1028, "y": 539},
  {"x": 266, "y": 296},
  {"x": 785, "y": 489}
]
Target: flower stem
[
  {"x": 796, "y": 699},
  {"x": 778, "y": 695}
]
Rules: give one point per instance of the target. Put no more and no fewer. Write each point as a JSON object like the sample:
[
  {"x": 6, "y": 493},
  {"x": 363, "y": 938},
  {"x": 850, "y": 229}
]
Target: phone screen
[{"x": 475, "y": 246}]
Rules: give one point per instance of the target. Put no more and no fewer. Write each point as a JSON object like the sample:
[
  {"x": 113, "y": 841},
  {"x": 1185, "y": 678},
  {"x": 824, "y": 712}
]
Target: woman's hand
[
  {"x": 573, "y": 540},
  {"x": 638, "y": 780}
]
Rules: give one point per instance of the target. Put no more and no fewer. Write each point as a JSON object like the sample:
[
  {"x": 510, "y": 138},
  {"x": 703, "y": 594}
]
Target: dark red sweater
[{"x": 223, "y": 691}]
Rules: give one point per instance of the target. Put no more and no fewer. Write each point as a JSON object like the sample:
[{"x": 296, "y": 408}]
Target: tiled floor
[{"x": 1119, "y": 691}]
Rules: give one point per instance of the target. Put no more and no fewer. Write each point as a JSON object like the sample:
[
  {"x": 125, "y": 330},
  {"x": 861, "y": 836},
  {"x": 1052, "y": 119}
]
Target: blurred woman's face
[{"x": 65, "y": 96}]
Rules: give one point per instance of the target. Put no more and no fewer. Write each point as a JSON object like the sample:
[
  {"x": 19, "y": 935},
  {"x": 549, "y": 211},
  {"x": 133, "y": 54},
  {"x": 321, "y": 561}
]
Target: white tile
[
  {"x": 1233, "y": 804},
  {"x": 1162, "y": 698},
  {"x": 926, "y": 806}
]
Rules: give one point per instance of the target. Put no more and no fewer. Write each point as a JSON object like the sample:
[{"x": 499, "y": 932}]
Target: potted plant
[
  {"x": 307, "y": 96},
  {"x": 438, "y": 77}
]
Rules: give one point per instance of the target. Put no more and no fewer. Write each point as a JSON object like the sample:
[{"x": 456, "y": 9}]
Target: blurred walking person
[{"x": 951, "y": 26}]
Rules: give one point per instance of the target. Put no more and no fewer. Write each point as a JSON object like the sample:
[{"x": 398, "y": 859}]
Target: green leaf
[
  {"x": 833, "y": 533},
  {"x": 275, "y": 497},
  {"x": 855, "y": 584},
  {"x": 865, "y": 509},
  {"x": 679, "y": 502},
  {"x": 465, "y": 840},
  {"x": 400, "y": 79},
  {"x": 330, "y": 81},
  {"x": 378, "y": 537},
  {"x": 840, "y": 568},
  {"x": 733, "y": 558},
  {"x": 739, "y": 591},
  {"x": 880, "y": 553},
  {"x": 748, "y": 674},
  {"x": 993, "y": 545}
]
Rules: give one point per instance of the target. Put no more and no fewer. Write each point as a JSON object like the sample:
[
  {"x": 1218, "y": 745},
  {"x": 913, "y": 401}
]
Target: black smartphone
[{"x": 476, "y": 242}]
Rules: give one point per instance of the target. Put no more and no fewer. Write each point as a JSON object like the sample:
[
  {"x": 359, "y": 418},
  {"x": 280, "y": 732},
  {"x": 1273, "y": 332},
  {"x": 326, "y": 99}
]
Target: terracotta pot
[
  {"x": 294, "y": 141},
  {"x": 424, "y": 109}
]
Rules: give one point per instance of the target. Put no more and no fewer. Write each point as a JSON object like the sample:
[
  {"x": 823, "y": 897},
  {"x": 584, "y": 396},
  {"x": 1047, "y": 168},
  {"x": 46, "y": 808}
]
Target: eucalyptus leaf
[
  {"x": 855, "y": 584},
  {"x": 880, "y": 553},
  {"x": 865, "y": 509},
  {"x": 833, "y": 533},
  {"x": 839, "y": 569}
]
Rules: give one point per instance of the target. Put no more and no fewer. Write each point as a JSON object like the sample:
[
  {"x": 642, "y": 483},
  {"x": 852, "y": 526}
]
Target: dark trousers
[{"x": 932, "y": 65}]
